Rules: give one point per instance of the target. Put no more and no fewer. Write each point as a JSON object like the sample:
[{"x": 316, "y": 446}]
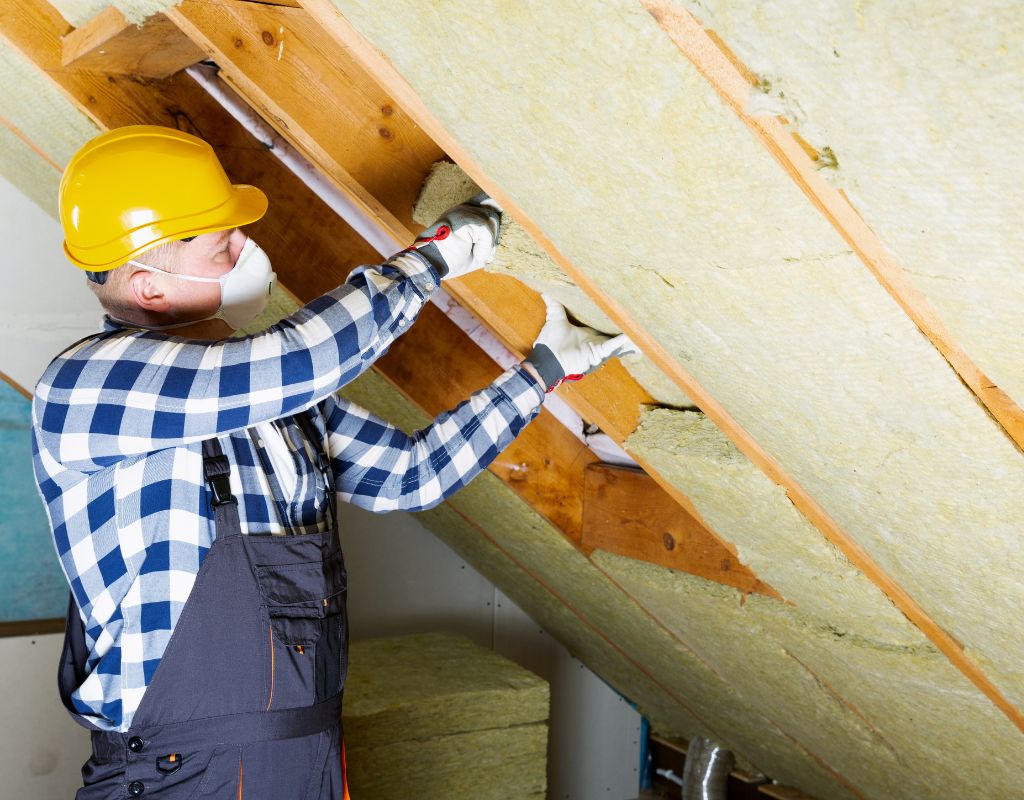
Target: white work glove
[
  {"x": 463, "y": 239},
  {"x": 567, "y": 352}
]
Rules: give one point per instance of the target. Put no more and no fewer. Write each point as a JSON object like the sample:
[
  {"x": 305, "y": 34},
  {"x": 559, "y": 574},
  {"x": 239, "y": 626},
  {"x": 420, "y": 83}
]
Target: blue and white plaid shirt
[{"x": 118, "y": 425}]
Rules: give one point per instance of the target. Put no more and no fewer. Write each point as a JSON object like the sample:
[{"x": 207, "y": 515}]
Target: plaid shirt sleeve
[
  {"x": 381, "y": 468},
  {"x": 136, "y": 391}
]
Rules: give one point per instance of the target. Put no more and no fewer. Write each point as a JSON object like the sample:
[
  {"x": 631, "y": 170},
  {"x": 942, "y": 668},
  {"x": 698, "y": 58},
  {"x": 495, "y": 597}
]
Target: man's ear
[{"x": 146, "y": 292}]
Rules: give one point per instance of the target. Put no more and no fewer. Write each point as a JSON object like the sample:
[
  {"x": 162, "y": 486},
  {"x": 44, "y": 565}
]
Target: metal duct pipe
[{"x": 706, "y": 772}]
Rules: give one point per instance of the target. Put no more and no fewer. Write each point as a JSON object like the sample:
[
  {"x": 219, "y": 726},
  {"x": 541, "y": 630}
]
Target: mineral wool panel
[
  {"x": 521, "y": 257},
  {"x": 426, "y": 685},
  {"x": 899, "y": 721},
  {"x": 499, "y": 764},
  {"x": 772, "y": 537},
  {"x": 599, "y": 122},
  {"x": 917, "y": 100}
]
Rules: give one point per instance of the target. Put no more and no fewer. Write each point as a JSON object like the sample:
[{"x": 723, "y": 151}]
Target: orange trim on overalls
[
  {"x": 344, "y": 774},
  {"x": 239, "y": 779},
  {"x": 271, "y": 700}
]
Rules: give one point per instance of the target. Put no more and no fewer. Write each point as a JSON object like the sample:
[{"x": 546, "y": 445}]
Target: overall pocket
[{"x": 305, "y": 631}]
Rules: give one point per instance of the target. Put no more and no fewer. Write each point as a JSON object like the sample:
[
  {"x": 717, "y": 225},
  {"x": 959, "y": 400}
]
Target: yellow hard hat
[{"x": 134, "y": 188}]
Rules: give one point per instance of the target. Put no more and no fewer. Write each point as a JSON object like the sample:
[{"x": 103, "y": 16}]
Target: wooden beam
[
  {"x": 733, "y": 82},
  {"x": 108, "y": 43},
  {"x": 780, "y": 792},
  {"x": 378, "y": 65},
  {"x": 242, "y": 37},
  {"x": 319, "y": 98},
  {"x": 625, "y": 512}
]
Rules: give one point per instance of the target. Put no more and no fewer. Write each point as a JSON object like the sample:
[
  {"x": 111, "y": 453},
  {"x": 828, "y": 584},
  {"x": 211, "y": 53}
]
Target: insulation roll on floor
[{"x": 435, "y": 716}]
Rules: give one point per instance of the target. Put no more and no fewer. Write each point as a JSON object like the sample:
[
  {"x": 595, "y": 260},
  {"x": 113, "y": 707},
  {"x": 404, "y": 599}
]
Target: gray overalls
[{"x": 246, "y": 701}]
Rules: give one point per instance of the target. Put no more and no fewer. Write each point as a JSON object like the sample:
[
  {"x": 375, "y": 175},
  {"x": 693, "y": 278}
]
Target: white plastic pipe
[
  {"x": 378, "y": 237},
  {"x": 381, "y": 240}
]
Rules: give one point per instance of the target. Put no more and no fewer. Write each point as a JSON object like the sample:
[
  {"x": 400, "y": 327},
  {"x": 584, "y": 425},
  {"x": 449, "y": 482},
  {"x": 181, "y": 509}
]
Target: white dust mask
[{"x": 244, "y": 289}]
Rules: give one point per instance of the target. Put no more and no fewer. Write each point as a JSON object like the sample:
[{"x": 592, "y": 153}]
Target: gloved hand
[
  {"x": 463, "y": 239},
  {"x": 567, "y": 352}
]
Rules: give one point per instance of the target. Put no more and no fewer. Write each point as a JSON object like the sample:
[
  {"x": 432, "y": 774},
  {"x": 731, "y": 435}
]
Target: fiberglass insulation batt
[{"x": 591, "y": 120}]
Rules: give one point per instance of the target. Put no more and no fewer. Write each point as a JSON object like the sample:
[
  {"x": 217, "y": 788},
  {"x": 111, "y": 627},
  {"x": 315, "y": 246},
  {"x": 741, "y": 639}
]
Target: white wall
[
  {"x": 44, "y": 302},
  {"x": 402, "y": 579}
]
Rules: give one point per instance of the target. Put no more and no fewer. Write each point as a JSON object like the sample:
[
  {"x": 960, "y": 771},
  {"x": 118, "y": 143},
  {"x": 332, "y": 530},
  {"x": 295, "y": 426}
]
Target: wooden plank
[
  {"x": 627, "y": 513},
  {"x": 381, "y": 68},
  {"x": 32, "y": 627},
  {"x": 108, "y": 43},
  {"x": 316, "y": 96}
]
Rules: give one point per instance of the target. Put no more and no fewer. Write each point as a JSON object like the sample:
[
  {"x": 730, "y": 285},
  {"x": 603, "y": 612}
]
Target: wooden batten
[{"x": 108, "y": 43}]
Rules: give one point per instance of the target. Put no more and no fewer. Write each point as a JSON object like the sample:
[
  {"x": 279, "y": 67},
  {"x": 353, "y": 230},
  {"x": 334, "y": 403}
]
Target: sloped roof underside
[{"x": 612, "y": 143}]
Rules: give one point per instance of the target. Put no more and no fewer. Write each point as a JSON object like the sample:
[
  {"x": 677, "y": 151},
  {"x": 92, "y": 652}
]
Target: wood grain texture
[
  {"x": 627, "y": 513},
  {"x": 315, "y": 95},
  {"x": 108, "y": 43}
]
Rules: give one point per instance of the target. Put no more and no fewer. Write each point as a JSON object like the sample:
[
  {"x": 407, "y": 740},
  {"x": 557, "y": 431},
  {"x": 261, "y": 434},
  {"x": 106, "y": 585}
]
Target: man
[{"x": 190, "y": 478}]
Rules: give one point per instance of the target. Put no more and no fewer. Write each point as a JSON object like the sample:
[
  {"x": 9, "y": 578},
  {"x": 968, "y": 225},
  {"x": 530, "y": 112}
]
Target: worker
[{"x": 191, "y": 476}]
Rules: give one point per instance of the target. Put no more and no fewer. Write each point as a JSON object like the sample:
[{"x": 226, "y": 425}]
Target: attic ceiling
[{"x": 804, "y": 216}]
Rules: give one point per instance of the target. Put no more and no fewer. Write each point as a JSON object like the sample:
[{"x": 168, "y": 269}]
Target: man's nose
[{"x": 236, "y": 241}]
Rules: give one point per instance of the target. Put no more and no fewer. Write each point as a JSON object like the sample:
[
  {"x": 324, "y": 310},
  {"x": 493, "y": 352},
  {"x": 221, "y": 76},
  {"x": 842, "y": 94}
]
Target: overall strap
[{"x": 217, "y": 472}]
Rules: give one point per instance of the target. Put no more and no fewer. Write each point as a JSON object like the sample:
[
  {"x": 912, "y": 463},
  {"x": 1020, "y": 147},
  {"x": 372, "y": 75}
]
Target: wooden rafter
[
  {"x": 339, "y": 133},
  {"x": 627, "y": 513},
  {"x": 377, "y": 64},
  {"x": 109, "y": 43}
]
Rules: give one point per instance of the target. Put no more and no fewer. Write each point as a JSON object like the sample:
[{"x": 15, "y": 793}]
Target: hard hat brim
[{"x": 245, "y": 205}]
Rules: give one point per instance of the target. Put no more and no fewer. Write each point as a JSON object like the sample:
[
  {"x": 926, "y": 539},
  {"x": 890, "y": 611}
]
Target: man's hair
[{"x": 113, "y": 294}]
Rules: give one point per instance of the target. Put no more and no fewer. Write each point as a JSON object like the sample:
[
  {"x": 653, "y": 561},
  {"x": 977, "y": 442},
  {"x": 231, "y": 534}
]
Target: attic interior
[{"x": 789, "y": 526}]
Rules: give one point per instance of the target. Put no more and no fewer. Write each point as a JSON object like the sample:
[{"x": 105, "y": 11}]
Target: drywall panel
[
  {"x": 917, "y": 100},
  {"x": 608, "y": 138},
  {"x": 880, "y": 713},
  {"x": 771, "y": 536},
  {"x": 519, "y": 255},
  {"x": 549, "y": 568},
  {"x": 44, "y": 757}
]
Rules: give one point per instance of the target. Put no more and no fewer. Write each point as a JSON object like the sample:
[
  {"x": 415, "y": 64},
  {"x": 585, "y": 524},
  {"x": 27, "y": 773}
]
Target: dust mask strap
[{"x": 244, "y": 290}]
